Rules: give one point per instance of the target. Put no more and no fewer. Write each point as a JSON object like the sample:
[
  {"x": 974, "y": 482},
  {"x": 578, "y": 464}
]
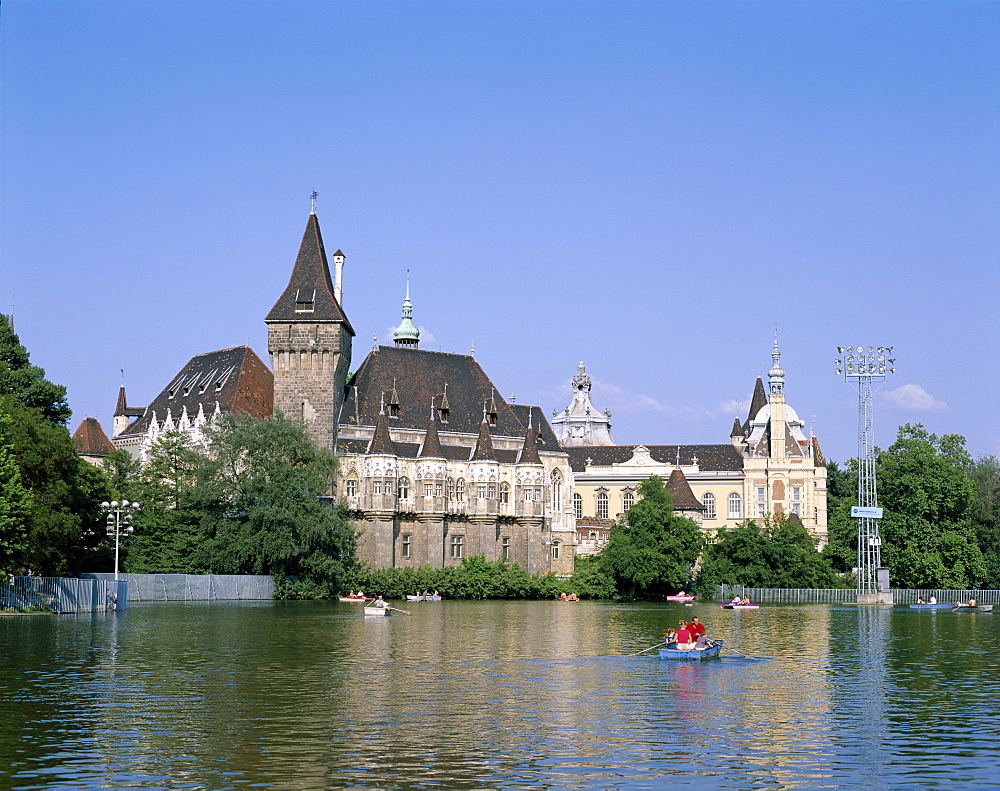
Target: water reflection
[{"x": 471, "y": 695}]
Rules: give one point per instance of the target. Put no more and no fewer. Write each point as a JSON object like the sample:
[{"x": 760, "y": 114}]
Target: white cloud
[{"x": 913, "y": 398}]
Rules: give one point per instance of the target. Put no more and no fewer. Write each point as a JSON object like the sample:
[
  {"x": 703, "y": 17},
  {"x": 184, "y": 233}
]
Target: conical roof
[
  {"x": 529, "y": 451},
  {"x": 484, "y": 445},
  {"x": 680, "y": 493},
  {"x": 381, "y": 443},
  {"x": 309, "y": 295},
  {"x": 757, "y": 403},
  {"x": 737, "y": 429},
  {"x": 431, "y": 449},
  {"x": 90, "y": 439}
]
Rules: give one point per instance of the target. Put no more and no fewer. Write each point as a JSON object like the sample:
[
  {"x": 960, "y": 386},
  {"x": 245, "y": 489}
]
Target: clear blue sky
[{"x": 650, "y": 187}]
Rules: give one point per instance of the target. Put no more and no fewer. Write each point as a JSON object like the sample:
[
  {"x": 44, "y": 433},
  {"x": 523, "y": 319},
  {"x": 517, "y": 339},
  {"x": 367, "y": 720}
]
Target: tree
[
  {"x": 985, "y": 476},
  {"x": 16, "y": 502},
  {"x": 841, "y": 549},
  {"x": 777, "y": 553},
  {"x": 26, "y": 383},
  {"x": 928, "y": 536},
  {"x": 651, "y": 551},
  {"x": 259, "y": 491}
]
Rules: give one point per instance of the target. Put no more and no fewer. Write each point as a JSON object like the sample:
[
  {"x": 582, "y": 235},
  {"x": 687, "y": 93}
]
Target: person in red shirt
[
  {"x": 684, "y": 640},
  {"x": 696, "y": 627}
]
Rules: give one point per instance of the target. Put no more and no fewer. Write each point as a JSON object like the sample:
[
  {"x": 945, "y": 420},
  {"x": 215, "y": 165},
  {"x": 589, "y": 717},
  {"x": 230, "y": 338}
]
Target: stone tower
[{"x": 309, "y": 340}]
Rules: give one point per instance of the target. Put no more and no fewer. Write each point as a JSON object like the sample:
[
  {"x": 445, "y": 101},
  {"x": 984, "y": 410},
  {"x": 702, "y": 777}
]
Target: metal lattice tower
[{"x": 863, "y": 367}]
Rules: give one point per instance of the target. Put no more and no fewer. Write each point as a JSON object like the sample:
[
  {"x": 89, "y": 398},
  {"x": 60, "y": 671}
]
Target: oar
[
  {"x": 644, "y": 650},
  {"x": 729, "y": 647},
  {"x": 399, "y": 610}
]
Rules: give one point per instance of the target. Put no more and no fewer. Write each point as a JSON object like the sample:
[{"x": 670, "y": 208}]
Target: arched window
[
  {"x": 628, "y": 500},
  {"x": 555, "y": 550},
  {"x": 461, "y": 490},
  {"x": 578, "y": 506},
  {"x": 352, "y": 487},
  {"x": 404, "y": 488},
  {"x": 556, "y": 490},
  {"x": 735, "y": 506},
  {"x": 504, "y": 493},
  {"x": 451, "y": 489},
  {"x": 602, "y": 505},
  {"x": 708, "y": 500}
]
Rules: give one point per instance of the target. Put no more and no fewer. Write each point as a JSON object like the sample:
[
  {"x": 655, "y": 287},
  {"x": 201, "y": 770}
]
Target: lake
[{"x": 486, "y": 695}]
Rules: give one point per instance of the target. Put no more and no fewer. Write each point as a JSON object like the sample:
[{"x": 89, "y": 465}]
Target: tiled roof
[
  {"x": 123, "y": 409},
  {"x": 737, "y": 428},
  {"x": 547, "y": 439},
  {"x": 432, "y": 442},
  {"x": 310, "y": 285},
  {"x": 529, "y": 451},
  {"x": 711, "y": 458},
  {"x": 235, "y": 378},
  {"x": 484, "y": 445},
  {"x": 818, "y": 459},
  {"x": 381, "y": 441},
  {"x": 420, "y": 376},
  {"x": 680, "y": 493},
  {"x": 758, "y": 402},
  {"x": 90, "y": 440}
]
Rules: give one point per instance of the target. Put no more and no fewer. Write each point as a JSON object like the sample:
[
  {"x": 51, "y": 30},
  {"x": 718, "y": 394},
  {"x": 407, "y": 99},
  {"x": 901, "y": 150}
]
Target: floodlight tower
[{"x": 864, "y": 366}]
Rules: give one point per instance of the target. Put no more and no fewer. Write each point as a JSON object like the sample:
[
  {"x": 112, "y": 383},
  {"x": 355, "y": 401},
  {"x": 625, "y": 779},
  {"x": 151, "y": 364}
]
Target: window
[
  {"x": 556, "y": 490},
  {"x": 505, "y": 548},
  {"x": 438, "y": 489},
  {"x": 404, "y": 488},
  {"x": 406, "y": 546},
  {"x": 505, "y": 493},
  {"x": 481, "y": 491},
  {"x": 735, "y": 506},
  {"x": 492, "y": 493},
  {"x": 376, "y": 487},
  {"x": 628, "y": 500},
  {"x": 578, "y": 506},
  {"x": 461, "y": 490},
  {"x": 761, "y": 494},
  {"x": 428, "y": 489},
  {"x": 451, "y": 488},
  {"x": 796, "y": 492},
  {"x": 456, "y": 546},
  {"x": 352, "y": 487},
  {"x": 593, "y": 535},
  {"x": 529, "y": 495},
  {"x": 797, "y": 509},
  {"x": 555, "y": 550},
  {"x": 602, "y": 506},
  {"x": 305, "y": 300},
  {"x": 761, "y": 510},
  {"x": 708, "y": 500}
]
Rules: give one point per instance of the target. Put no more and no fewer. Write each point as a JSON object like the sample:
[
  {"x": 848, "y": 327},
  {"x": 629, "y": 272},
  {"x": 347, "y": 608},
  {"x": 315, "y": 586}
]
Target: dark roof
[
  {"x": 484, "y": 445},
  {"x": 432, "y": 442},
  {"x": 235, "y": 378},
  {"x": 381, "y": 441},
  {"x": 711, "y": 458},
  {"x": 737, "y": 429},
  {"x": 529, "y": 451},
  {"x": 758, "y": 402},
  {"x": 818, "y": 459},
  {"x": 680, "y": 493},
  {"x": 123, "y": 409},
  {"x": 547, "y": 439},
  {"x": 310, "y": 283},
  {"x": 90, "y": 440},
  {"x": 419, "y": 376}
]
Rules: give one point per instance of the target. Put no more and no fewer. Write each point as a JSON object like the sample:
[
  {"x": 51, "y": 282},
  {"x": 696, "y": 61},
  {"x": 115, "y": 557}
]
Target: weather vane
[{"x": 313, "y": 198}]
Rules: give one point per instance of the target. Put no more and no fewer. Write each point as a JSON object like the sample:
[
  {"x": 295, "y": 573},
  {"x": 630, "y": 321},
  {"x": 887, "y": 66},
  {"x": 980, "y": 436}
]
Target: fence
[
  {"x": 849, "y": 595},
  {"x": 195, "y": 587},
  {"x": 63, "y": 594}
]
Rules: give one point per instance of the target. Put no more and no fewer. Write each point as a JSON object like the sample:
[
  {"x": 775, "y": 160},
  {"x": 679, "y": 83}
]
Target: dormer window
[
  {"x": 305, "y": 300},
  {"x": 442, "y": 413}
]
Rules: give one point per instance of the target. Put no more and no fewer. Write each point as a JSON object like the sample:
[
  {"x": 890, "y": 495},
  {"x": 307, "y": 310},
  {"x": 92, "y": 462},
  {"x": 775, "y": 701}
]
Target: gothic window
[
  {"x": 492, "y": 494},
  {"x": 406, "y": 546},
  {"x": 456, "y": 546},
  {"x": 376, "y": 487},
  {"x": 708, "y": 500},
  {"x": 735, "y": 506},
  {"x": 578, "y": 506},
  {"x": 555, "y": 550},
  {"x": 556, "y": 490},
  {"x": 504, "y": 493},
  {"x": 352, "y": 487},
  {"x": 602, "y": 505},
  {"x": 428, "y": 489},
  {"x": 451, "y": 488},
  {"x": 529, "y": 495},
  {"x": 461, "y": 490},
  {"x": 628, "y": 500},
  {"x": 404, "y": 488},
  {"x": 481, "y": 491},
  {"x": 438, "y": 489},
  {"x": 505, "y": 548}
]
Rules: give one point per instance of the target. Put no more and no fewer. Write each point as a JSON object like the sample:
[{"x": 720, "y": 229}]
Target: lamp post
[
  {"x": 119, "y": 522},
  {"x": 864, "y": 366}
]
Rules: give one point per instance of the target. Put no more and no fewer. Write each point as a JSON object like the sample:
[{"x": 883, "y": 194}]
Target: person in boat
[
  {"x": 685, "y": 642},
  {"x": 563, "y": 596},
  {"x": 702, "y": 643},
  {"x": 574, "y": 597},
  {"x": 696, "y": 627},
  {"x": 361, "y": 595},
  {"x": 744, "y": 601},
  {"x": 670, "y": 636},
  {"x": 932, "y": 600},
  {"x": 736, "y": 600},
  {"x": 380, "y": 602},
  {"x": 920, "y": 600},
  {"x": 680, "y": 593}
]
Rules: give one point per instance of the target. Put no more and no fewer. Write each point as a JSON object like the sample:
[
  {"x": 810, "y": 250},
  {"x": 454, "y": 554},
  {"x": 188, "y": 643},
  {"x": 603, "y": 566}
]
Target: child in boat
[
  {"x": 670, "y": 637},
  {"x": 702, "y": 643}
]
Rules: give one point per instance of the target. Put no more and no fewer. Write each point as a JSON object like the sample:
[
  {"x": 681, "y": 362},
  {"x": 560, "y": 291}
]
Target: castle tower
[
  {"x": 580, "y": 423},
  {"x": 309, "y": 340},
  {"x": 407, "y": 333},
  {"x": 776, "y": 385}
]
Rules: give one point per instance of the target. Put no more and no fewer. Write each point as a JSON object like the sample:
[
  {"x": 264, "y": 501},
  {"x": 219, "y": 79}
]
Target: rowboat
[
  {"x": 694, "y": 655},
  {"x": 932, "y": 606},
  {"x": 378, "y": 611},
  {"x": 428, "y": 597},
  {"x": 740, "y": 606},
  {"x": 972, "y": 608},
  {"x": 679, "y": 597},
  {"x": 354, "y": 599}
]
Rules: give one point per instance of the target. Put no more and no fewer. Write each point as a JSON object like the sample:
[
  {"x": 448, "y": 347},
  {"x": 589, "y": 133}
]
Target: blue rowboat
[
  {"x": 694, "y": 655},
  {"x": 931, "y": 606}
]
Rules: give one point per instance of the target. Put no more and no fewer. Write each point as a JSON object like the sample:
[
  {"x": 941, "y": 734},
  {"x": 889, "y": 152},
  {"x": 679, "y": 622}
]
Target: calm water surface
[{"x": 510, "y": 695}]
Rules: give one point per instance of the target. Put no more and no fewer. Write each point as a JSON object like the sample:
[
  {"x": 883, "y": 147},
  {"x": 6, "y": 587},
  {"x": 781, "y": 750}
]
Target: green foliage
[
  {"x": 985, "y": 477},
  {"x": 652, "y": 551},
  {"x": 841, "y": 549},
  {"x": 122, "y": 471},
  {"x": 16, "y": 501},
  {"x": 26, "y": 383},
  {"x": 928, "y": 536},
  {"x": 779, "y": 553}
]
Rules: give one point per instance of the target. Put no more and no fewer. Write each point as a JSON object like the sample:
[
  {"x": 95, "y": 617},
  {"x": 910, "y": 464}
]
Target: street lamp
[
  {"x": 862, "y": 366},
  {"x": 119, "y": 522}
]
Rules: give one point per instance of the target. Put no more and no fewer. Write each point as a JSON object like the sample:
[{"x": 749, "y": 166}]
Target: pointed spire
[
  {"x": 757, "y": 403},
  {"x": 529, "y": 451},
  {"x": 310, "y": 295},
  {"x": 680, "y": 493},
  {"x": 737, "y": 429},
  {"x": 381, "y": 443},
  {"x": 407, "y": 334},
  {"x": 776, "y": 376},
  {"x": 484, "y": 445},
  {"x": 431, "y": 448},
  {"x": 120, "y": 409}
]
